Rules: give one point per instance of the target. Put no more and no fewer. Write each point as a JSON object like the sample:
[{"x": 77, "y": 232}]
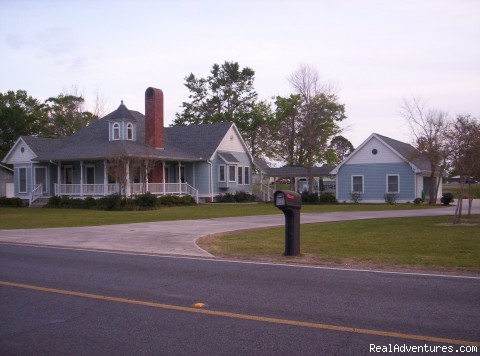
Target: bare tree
[
  {"x": 429, "y": 128},
  {"x": 319, "y": 114},
  {"x": 464, "y": 140}
]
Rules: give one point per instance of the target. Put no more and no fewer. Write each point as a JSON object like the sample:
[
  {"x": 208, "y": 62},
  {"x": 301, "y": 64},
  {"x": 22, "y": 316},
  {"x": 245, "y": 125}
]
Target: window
[
  {"x": 68, "y": 175},
  {"x": 22, "y": 180},
  {"x": 116, "y": 131},
  {"x": 393, "y": 185},
  {"x": 232, "y": 176},
  {"x": 246, "y": 170},
  {"x": 240, "y": 175},
  {"x": 221, "y": 173},
  {"x": 129, "y": 131},
  {"x": 357, "y": 184}
]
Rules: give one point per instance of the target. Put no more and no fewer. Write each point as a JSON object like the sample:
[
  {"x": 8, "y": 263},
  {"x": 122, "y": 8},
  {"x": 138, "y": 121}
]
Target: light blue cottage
[
  {"x": 131, "y": 153},
  {"x": 381, "y": 165}
]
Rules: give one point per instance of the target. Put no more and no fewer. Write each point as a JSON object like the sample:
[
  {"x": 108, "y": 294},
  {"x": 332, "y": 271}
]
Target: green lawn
[
  {"x": 26, "y": 218},
  {"x": 427, "y": 242}
]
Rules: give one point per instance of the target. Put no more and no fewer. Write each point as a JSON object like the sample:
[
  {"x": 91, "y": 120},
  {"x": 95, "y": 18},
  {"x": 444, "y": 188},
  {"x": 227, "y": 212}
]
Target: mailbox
[{"x": 290, "y": 203}]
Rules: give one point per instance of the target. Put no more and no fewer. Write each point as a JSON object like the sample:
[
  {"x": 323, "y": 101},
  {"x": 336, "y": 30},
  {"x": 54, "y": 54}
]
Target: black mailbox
[{"x": 290, "y": 203}]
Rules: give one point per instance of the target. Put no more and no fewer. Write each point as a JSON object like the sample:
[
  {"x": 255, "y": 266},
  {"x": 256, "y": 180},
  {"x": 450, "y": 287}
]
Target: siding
[
  {"x": 202, "y": 173},
  {"x": 231, "y": 142},
  {"x": 375, "y": 181},
  {"x": 17, "y": 156},
  {"x": 383, "y": 155},
  {"x": 232, "y": 187}
]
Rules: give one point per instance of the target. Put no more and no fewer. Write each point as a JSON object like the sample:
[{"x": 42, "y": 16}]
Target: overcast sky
[{"x": 378, "y": 52}]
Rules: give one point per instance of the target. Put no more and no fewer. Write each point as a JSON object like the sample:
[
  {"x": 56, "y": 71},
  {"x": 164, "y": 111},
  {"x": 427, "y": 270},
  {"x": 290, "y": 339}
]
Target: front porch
[{"x": 99, "y": 190}]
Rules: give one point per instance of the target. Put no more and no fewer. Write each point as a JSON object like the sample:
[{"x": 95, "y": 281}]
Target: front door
[{"x": 41, "y": 178}]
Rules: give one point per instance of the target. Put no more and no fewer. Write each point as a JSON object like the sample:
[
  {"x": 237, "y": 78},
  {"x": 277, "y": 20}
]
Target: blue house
[
  {"x": 129, "y": 153},
  {"x": 380, "y": 166}
]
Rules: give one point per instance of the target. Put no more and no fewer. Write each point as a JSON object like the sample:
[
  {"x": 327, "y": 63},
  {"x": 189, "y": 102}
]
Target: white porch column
[
  {"x": 105, "y": 178},
  {"x": 146, "y": 176},
  {"x": 59, "y": 177},
  {"x": 163, "y": 176},
  {"x": 81, "y": 178},
  {"x": 127, "y": 179}
]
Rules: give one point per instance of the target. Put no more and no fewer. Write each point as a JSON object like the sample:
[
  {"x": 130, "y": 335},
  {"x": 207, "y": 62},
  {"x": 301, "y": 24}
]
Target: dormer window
[
  {"x": 116, "y": 131},
  {"x": 130, "y": 131},
  {"x": 121, "y": 130}
]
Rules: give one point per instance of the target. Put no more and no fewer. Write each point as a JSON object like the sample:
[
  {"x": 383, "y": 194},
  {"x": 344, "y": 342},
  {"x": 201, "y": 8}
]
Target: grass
[
  {"x": 25, "y": 218},
  {"x": 426, "y": 242},
  {"x": 455, "y": 189}
]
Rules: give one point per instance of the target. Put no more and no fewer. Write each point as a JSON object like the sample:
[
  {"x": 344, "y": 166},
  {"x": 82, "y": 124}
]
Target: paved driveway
[{"x": 178, "y": 237}]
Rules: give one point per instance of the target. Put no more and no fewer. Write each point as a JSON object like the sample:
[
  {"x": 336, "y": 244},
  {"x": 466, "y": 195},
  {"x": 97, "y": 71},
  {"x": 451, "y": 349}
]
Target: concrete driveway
[{"x": 178, "y": 237}]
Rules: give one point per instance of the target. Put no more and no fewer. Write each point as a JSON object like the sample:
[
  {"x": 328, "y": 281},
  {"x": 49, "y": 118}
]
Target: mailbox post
[{"x": 290, "y": 203}]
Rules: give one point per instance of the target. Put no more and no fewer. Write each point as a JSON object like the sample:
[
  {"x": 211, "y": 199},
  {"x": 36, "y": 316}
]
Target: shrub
[
  {"x": 15, "y": 202},
  {"x": 54, "y": 202},
  {"x": 447, "y": 198},
  {"x": 225, "y": 198},
  {"x": 109, "y": 202},
  {"x": 327, "y": 197},
  {"x": 89, "y": 202},
  {"x": 187, "y": 200},
  {"x": 147, "y": 200},
  {"x": 242, "y": 196},
  {"x": 418, "y": 201},
  {"x": 309, "y": 197},
  {"x": 390, "y": 198},
  {"x": 356, "y": 197}
]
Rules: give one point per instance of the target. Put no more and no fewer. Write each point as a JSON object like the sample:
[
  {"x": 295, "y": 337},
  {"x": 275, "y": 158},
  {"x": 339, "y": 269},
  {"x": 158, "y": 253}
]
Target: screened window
[
  {"x": 221, "y": 173},
  {"x": 232, "y": 176},
  {"x": 247, "y": 175},
  {"x": 393, "y": 185},
  {"x": 357, "y": 184},
  {"x": 22, "y": 180}
]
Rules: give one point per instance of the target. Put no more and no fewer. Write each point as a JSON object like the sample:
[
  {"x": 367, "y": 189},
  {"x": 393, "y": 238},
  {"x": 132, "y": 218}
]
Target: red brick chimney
[{"x": 154, "y": 118}]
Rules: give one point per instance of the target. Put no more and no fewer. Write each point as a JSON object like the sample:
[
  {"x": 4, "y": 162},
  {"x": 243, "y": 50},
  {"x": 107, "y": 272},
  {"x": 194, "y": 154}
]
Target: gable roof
[
  {"x": 405, "y": 151},
  {"x": 194, "y": 143}
]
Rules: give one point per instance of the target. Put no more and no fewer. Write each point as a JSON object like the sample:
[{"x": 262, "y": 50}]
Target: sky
[{"x": 376, "y": 52}]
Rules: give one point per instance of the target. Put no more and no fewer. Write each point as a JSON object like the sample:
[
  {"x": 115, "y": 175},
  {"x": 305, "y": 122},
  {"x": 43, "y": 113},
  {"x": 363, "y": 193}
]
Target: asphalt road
[{"x": 59, "y": 301}]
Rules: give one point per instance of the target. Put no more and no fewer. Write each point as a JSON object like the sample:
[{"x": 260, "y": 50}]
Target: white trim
[
  {"x": 20, "y": 141},
  {"x": 398, "y": 183},
  {"x": 363, "y": 183},
  {"x": 115, "y": 126},
  {"x": 359, "y": 148},
  {"x": 242, "y": 141},
  {"x": 129, "y": 126}
]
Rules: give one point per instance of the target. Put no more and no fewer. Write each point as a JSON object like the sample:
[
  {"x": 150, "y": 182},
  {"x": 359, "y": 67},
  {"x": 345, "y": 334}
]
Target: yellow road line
[{"x": 246, "y": 316}]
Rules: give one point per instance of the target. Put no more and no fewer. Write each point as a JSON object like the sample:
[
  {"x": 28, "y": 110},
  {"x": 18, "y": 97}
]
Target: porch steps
[{"x": 39, "y": 203}]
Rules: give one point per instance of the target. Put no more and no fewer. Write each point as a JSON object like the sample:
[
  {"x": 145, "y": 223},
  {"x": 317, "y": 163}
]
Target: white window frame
[
  {"x": 130, "y": 131},
  {"x": 20, "y": 180},
  {"x": 230, "y": 180},
  {"x": 220, "y": 173},
  {"x": 398, "y": 183},
  {"x": 246, "y": 172},
  {"x": 363, "y": 183},
  {"x": 116, "y": 129}
]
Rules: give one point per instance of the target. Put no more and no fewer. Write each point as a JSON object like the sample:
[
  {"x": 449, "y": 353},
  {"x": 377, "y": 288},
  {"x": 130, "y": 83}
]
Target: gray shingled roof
[
  {"x": 288, "y": 172},
  {"x": 408, "y": 152},
  {"x": 195, "y": 142}
]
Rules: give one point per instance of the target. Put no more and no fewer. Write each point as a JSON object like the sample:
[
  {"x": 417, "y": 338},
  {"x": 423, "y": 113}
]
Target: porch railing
[
  {"x": 165, "y": 188},
  {"x": 135, "y": 188},
  {"x": 87, "y": 189},
  {"x": 36, "y": 193}
]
